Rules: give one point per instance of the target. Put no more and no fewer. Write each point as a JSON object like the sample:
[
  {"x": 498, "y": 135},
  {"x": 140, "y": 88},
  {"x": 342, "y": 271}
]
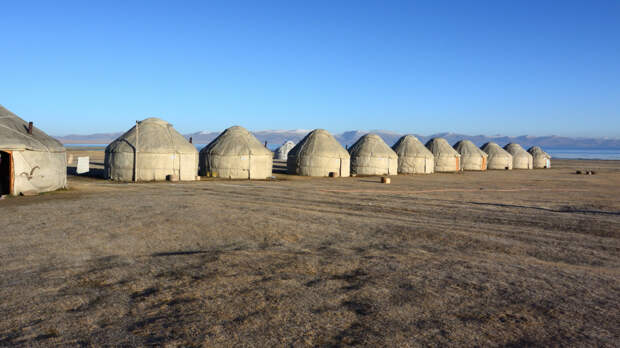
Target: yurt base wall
[
  {"x": 543, "y": 163},
  {"x": 150, "y": 167},
  {"x": 189, "y": 166},
  {"x": 374, "y": 166},
  {"x": 539, "y": 164},
  {"x": 319, "y": 166},
  {"x": 499, "y": 164},
  {"x": 239, "y": 167},
  {"x": 473, "y": 163},
  {"x": 416, "y": 165},
  {"x": 49, "y": 173},
  {"x": 522, "y": 164},
  {"x": 447, "y": 164}
]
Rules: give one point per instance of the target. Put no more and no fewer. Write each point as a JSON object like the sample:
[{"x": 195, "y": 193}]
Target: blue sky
[{"x": 473, "y": 67}]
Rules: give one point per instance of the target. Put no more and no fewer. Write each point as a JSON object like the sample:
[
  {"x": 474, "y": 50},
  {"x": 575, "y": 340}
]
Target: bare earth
[{"x": 501, "y": 258}]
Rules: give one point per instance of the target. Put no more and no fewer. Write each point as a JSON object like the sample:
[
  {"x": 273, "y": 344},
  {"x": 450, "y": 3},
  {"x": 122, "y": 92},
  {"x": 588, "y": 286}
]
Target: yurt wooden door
[{"x": 6, "y": 172}]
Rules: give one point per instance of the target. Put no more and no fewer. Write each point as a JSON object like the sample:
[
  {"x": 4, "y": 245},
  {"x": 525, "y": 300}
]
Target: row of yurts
[{"x": 152, "y": 150}]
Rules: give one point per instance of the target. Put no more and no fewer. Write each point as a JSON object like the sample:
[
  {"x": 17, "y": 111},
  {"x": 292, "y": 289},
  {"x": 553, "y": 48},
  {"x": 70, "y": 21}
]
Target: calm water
[
  {"x": 564, "y": 153},
  {"x": 590, "y": 153}
]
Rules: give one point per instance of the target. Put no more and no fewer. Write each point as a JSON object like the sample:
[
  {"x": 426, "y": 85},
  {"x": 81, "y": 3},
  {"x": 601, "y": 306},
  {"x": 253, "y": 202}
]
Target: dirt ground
[{"x": 498, "y": 258}]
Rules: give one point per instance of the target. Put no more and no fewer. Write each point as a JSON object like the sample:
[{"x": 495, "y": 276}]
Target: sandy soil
[{"x": 507, "y": 258}]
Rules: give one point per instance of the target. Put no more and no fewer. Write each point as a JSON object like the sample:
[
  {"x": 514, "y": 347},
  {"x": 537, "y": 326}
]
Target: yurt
[
  {"x": 318, "y": 154},
  {"x": 370, "y": 155},
  {"x": 281, "y": 152},
  {"x": 30, "y": 160},
  {"x": 521, "y": 159},
  {"x": 151, "y": 150},
  {"x": 446, "y": 158},
  {"x": 413, "y": 156},
  {"x": 498, "y": 157},
  {"x": 236, "y": 154},
  {"x": 541, "y": 158},
  {"x": 472, "y": 158}
]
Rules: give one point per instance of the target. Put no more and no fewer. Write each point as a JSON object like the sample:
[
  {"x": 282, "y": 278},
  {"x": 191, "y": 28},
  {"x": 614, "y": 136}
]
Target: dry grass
[{"x": 498, "y": 258}]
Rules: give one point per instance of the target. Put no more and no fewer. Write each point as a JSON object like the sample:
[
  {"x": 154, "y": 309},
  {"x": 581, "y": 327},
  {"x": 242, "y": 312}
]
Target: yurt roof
[
  {"x": 14, "y": 135},
  {"x": 537, "y": 151},
  {"x": 441, "y": 147},
  {"x": 287, "y": 144},
  {"x": 319, "y": 142},
  {"x": 152, "y": 135},
  {"x": 492, "y": 148},
  {"x": 467, "y": 148},
  {"x": 514, "y": 149},
  {"x": 371, "y": 145},
  {"x": 409, "y": 145},
  {"x": 236, "y": 141}
]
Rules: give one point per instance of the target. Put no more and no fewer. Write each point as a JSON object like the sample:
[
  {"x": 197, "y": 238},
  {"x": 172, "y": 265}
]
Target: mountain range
[{"x": 277, "y": 137}]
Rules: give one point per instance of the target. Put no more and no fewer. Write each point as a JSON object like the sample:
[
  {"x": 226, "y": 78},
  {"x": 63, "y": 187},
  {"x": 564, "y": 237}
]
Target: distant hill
[
  {"x": 97, "y": 138},
  {"x": 277, "y": 137}
]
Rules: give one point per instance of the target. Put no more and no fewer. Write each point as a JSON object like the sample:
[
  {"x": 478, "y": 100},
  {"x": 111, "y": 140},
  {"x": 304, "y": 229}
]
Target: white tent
[
  {"x": 521, "y": 159},
  {"x": 541, "y": 158},
  {"x": 319, "y": 154},
  {"x": 413, "y": 156},
  {"x": 472, "y": 158},
  {"x": 151, "y": 150},
  {"x": 30, "y": 161},
  {"x": 281, "y": 152},
  {"x": 498, "y": 157},
  {"x": 370, "y": 155},
  {"x": 446, "y": 158},
  {"x": 236, "y": 154}
]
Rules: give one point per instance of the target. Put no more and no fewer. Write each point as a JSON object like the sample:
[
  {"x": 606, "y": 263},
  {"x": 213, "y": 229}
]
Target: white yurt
[
  {"x": 150, "y": 151},
  {"x": 472, "y": 158},
  {"x": 319, "y": 154},
  {"x": 30, "y": 160},
  {"x": 498, "y": 157},
  {"x": 521, "y": 159},
  {"x": 413, "y": 156},
  {"x": 540, "y": 157},
  {"x": 446, "y": 158},
  {"x": 370, "y": 155},
  {"x": 281, "y": 152},
  {"x": 236, "y": 154}
]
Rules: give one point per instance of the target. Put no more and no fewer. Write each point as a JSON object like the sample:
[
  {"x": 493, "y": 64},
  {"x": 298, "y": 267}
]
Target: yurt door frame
[
  {"x": 9, "y": 177},
  {"x": 249, "y": 167},
  {"x": 176, "y": 164}
]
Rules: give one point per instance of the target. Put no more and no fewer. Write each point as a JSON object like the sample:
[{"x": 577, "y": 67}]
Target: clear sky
[{"x": 472, "y": 67}]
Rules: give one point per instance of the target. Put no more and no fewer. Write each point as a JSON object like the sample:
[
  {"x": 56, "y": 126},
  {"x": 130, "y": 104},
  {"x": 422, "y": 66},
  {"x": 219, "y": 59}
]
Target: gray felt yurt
[
  {"x": 472, "y": 158},
  {"x": 521, "y": 159},
  {"x": 370, "y": 155},
  {"x": 446, "y": 157},
  {"x": 30, "y": 160},
  {"x": 498, "y": 157},
  {"x": 413, "y": 156},
  {"x": 318, "y": 154},
  {"x": 281, "y": 152},
  {"x": 236, "y": 154},
  {"x": 540, "y": 157},
  {"x": 150, "y": 151}
]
